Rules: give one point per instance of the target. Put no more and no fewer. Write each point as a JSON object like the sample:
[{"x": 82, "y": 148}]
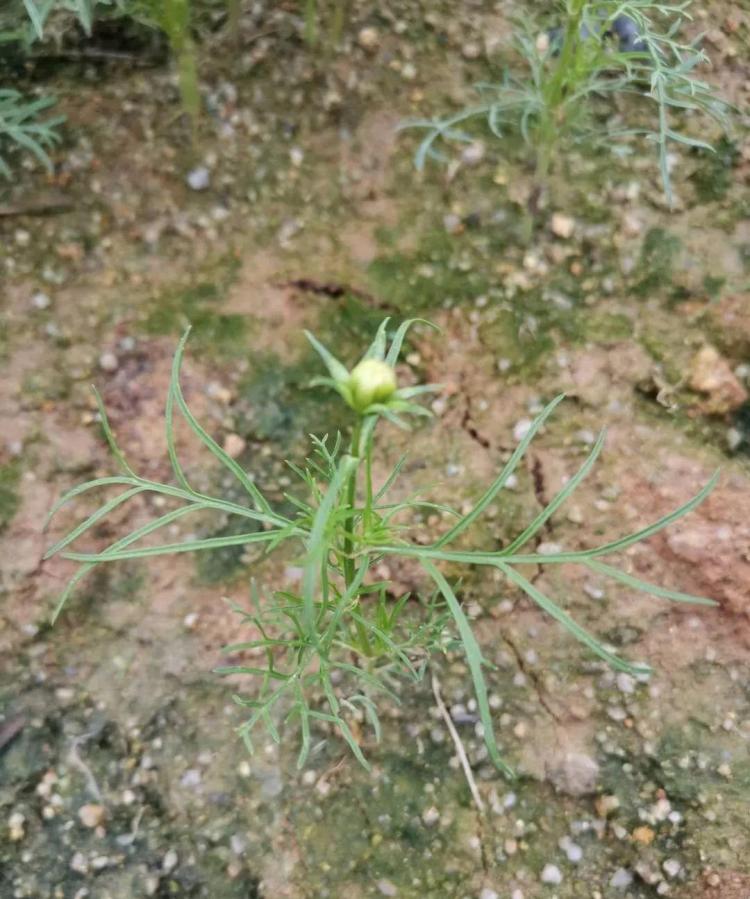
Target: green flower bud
[{"x": 372, "y": 381}]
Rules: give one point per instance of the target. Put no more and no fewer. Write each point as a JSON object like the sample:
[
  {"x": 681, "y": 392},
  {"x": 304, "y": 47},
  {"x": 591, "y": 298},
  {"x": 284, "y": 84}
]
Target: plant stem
[
  {"x": 234, "y": 11},
  {"x": 554, "y": 90},
  {"x": 368, "y": 483},
  {"x": 349, "y": 524}
]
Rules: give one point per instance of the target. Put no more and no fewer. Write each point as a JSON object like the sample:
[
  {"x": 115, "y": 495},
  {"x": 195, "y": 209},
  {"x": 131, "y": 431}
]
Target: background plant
[
  {"x": 324, "y": 19},
  {"x": 330, "y": 649},
  {"x": 23, "y": 125},
  {"x": 604, "y": 48},
  {"x": 27, "y": 21}
]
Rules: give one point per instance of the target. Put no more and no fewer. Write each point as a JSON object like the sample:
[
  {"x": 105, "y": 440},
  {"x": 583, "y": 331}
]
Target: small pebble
[
  {"x": 672, "y": 867},
  {"x": 369, "y": 39},
  {"x": 191, "y": 778},
  {"x": 606, "y": 805},
  {"x": 169, "y": 862},
  {"x": 522, "y": 428},
  {"x": 16, "y": 829},
  {"x": 562, "y": 225},
  {"x": 473, "y": 154},
  {"x": 79, "y": 864},
  {"x": 199, "y": 178},
  {"x": 91, "y": 815},
  {"x": 431, "y": 816},
  {"x": 452, "y": 223},
  {"x": 621, "y": 879},
  {"x": 108, "y": 362},
  {"x": 549, "y": 549},
  {"x": 40, "y": 301},
  {"x": 551, "y": 875},
  {"x": 234, "y": 445}
]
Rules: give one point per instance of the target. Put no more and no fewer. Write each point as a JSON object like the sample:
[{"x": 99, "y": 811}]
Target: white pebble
[
  {"x": 191, "y": 778},
  {"x": 108, "y": 362},
  {"x": 672, "y": 867},
  {"x": 473, "y": 154},
  {"x": 562, "y": 225},
  {"x": 431, "y": 816},
  {"x": 169, "y": 862},
  {"x": 199, "y": 178},
  {"x": 522, "y": 428},
  {"x": 621, "y": 879},
  {"x": 551, "y": 875},
  {"x": 368, "y": 39}
]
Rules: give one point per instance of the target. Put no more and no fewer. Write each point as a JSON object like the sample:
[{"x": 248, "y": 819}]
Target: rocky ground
[{"x": 298, "y": 206}]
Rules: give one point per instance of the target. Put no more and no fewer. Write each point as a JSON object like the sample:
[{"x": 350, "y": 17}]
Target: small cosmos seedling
[{"x": 331, "y": 648}]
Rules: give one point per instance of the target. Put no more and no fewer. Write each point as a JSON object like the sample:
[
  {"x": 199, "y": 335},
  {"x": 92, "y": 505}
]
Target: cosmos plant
[{"x": 330, "y": 650}]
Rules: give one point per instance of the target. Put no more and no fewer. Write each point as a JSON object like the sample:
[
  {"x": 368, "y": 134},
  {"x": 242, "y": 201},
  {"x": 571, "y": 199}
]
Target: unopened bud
[{"x": 372, "y": 381}]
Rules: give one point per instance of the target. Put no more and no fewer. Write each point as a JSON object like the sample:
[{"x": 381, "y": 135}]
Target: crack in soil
[
  {"x": 335, "y": 291},
  {"x": 533, "y": 679}
]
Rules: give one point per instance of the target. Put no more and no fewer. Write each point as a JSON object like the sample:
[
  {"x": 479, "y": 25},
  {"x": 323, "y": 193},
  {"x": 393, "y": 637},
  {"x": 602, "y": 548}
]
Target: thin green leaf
[
  {"x": 249, "y": 669},
  {"x": 317, "y": 543},
  {"x": 169, "y": 414},
  {"x": 563, "y": 494},
  {"x": 84, "y": 488},
  {"x": 575, "y": 629},
  {"x": 35, "y": 17},
  {"x": 645, "y": 533},
  {"x": 474, "y": 660},
  {"x": 168, "y": 518},
  {"x": 188, "y": 547},
  {"x": 376, "y": 350},
  {"x": 502, "y": 478},
  {"x": 637, "y": 584},
  {"x": 345, "y": 733},
  {"x": 336, "y": 370},
  {"x": 398, "y": 338},
  {"x": 93, "y": 519},
  {"x": 109, "y": 436},
  {"x": 227, "y": 461}
]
